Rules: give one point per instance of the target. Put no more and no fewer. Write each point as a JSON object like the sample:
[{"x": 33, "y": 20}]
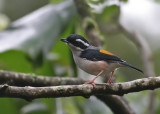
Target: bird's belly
[{"x": 95, "y": 67}]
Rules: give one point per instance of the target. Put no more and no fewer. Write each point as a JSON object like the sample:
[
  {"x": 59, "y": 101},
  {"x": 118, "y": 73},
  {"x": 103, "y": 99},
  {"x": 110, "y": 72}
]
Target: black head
[{"x": 77, "y": 41}]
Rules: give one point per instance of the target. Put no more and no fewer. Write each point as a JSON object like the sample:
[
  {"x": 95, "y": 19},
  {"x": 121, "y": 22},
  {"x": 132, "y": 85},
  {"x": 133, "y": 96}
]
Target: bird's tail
[{"x": 131, "y": 66}]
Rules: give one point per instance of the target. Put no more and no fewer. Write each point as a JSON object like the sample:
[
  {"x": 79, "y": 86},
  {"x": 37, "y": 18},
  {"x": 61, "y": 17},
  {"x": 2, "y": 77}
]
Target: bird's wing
[
  {"x": 99, "y": 55},
  {"x": 103, "y": 55}
]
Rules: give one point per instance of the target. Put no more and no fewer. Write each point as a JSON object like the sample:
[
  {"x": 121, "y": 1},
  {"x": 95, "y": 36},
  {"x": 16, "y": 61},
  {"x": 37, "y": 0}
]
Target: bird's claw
[
  {"x": 110, "y": 81},
  {"x": 91, "y": 82}
]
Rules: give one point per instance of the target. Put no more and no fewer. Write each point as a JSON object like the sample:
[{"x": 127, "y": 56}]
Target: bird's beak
[{"x": 64, "y": 40}]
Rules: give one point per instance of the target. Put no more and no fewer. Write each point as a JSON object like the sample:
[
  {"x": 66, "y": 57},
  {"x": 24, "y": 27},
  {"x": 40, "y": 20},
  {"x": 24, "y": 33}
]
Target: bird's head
[{"x": 76, "y": 42}]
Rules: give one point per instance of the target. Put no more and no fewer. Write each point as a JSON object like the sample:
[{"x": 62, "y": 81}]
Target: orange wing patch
[{"x": 106, "y": 52}]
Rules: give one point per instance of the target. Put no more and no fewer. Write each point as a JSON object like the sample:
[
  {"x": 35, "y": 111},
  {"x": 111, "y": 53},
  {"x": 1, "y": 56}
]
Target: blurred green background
[{"x": 30, "y": 33}]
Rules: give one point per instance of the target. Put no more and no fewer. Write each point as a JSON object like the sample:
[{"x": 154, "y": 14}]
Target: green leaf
[
  {"x": 4, "y": 21},
  {"x": 37, "y": 32},
  {"x": 15, "y": 9},
  {"x": 61, "y": 49},
  {"x": 8, "y": 106},
  {"x": 109, "y": 14},
  {"x": 46, "y": 69},
  {"x": 50, "y": 104},
  {"x": 158, "y": 1},
  {"x": 56, "y": 1},
  {"x": 14, "y": 60},
  {"x": 69, "y": 106},
  {"x": 96, "y": 1}
]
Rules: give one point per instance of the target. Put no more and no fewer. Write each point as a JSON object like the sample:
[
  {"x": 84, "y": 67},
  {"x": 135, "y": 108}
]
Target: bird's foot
[
  {"x": 110, "y": 81},
  {"x": 5, "y": 85},
  {"x": 91, "y": 82}
]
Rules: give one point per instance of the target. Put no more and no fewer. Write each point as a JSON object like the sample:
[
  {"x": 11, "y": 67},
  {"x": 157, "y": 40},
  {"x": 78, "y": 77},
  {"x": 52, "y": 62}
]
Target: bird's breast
[{"x": 94, "y": 67}]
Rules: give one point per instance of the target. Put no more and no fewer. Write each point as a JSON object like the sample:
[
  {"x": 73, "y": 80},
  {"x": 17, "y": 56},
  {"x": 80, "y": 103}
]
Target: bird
[{"x": 94, "y": 60}]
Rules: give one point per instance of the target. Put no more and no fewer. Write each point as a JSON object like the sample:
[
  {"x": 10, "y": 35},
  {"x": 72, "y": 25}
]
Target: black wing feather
[{"x": 96, "y": 55}]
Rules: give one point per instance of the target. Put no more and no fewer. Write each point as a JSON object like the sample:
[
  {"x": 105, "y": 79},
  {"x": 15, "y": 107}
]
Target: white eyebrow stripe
[{"x": 79, "y": 40}]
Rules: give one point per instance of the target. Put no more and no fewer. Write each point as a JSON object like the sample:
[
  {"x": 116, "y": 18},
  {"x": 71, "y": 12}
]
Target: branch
[
  {"x": 22, "y": 79},
  {"x": 89, "y": 25},
  {"x": 118, "y": 104},
  {"x": 80, "y": 90},
  {"x": 144, "y": 49}
]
